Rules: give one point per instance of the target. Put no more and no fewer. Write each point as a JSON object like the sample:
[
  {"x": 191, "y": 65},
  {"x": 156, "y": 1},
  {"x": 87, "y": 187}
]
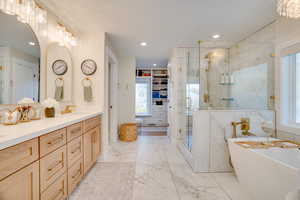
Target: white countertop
[{"x": 12, "y": 135}]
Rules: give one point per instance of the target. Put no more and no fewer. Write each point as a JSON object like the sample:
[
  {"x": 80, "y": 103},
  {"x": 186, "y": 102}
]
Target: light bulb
[
  {"x": 73, "y": 41},
  {"x": 9, "y": 7},
  {"x": 41, "y": 16}
]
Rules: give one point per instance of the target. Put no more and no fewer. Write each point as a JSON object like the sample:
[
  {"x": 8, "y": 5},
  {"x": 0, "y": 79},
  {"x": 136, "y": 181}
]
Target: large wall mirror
[{"x": 19, "y": 61}]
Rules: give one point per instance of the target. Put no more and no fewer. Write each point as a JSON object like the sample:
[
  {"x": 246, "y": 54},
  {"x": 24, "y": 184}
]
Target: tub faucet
[{"x": 245, "y": 127}]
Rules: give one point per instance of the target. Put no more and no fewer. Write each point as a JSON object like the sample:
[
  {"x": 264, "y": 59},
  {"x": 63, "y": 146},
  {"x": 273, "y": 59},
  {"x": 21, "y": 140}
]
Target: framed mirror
[
  {"x": 59, "y": 73},
  {"x": 19, "y": 61}
]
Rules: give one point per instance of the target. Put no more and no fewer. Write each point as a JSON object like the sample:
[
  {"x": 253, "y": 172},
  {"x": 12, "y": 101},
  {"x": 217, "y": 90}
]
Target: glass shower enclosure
[{"x": 191, "y": 88}]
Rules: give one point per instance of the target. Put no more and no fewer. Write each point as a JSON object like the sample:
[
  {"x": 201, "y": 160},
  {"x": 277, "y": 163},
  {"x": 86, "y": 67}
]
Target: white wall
[
  {"x": 126, "y": 105},
  {"x": 91, "y": 46}
]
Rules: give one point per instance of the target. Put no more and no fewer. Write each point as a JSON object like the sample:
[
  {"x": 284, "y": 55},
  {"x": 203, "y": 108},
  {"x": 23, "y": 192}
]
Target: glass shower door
[{"x": 192, "y": 88}]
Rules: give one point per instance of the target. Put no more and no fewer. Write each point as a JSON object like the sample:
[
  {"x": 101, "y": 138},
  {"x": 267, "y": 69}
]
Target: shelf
[
  {"x": 143, "y": 76},
  {"x": 226, "y": 84},
  {"x": 227, "y": 99}
]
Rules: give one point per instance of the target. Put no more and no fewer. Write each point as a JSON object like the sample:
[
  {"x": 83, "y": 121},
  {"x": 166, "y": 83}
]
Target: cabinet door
[
  {"x": 96, "y": 143},
  {"x": 88, "y": 150},
  {"x": 23, "y": 185}
]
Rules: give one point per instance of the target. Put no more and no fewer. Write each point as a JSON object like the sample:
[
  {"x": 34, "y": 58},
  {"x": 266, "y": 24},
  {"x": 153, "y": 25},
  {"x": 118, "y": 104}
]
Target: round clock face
[
  {"x": 60, "y": 67},
  {"x": 88, "y": 67}
]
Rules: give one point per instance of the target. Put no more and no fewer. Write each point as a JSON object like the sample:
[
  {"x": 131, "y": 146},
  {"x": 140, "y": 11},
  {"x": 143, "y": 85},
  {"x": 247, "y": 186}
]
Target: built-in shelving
[{"x": 160, "y": 82}]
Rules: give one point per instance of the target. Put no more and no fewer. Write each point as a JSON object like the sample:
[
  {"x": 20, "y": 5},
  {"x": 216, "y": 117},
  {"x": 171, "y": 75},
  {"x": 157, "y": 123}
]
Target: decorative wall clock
[
  {"x": 60, "y": 67},
  {"x": 88, "y": 67}
]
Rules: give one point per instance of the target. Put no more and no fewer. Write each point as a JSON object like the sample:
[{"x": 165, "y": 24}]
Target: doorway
[{"x": 112, "y": 97}]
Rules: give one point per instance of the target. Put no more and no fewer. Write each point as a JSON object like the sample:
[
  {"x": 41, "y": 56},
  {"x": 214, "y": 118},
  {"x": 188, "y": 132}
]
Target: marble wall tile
[{"x": 214, "y": 133}]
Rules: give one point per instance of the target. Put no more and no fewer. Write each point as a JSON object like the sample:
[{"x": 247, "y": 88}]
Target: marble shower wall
[
  {"x": 256, "y": 50},
  {"x": 211, "y": 131}
]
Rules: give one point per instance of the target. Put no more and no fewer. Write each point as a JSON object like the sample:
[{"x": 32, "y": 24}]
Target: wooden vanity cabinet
[
  {"x": 23, "y": 185},
  {"x": 58, "y": 190},
  {"x": 75, "y": 174},
  {"x": 14, "y": 158},
  {"x": 52, "y": 141},
  {"x": 91, "y": 147},
  {"x": 51, "y": 166}
]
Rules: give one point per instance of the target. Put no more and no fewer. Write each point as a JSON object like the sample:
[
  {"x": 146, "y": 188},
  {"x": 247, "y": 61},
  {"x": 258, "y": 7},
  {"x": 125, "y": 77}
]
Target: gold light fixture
[
  {"x": 289, "y": 8},
  {"x": 26, "y": 11},
  {"x": 65, "y": 36}
]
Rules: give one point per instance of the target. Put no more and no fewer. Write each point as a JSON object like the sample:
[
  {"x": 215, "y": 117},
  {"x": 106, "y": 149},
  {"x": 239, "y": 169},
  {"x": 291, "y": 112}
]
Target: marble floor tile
[
  {"x": 153, "y": 169},
  {"x": 229, "y": 183},
  {"x": 192, "y": 186},
  {"x": 107, "y": 181},
  {"x": 121, "y": 152}
]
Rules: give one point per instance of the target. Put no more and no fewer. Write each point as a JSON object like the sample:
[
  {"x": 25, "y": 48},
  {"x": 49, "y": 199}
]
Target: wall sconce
[
  {"x": 26, "y": 11},
  {"x": 65, "y": 36}
]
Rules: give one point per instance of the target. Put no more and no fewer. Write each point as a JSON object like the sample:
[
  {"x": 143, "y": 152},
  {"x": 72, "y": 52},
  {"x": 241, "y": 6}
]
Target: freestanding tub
[{"x": 267, "y": 174}]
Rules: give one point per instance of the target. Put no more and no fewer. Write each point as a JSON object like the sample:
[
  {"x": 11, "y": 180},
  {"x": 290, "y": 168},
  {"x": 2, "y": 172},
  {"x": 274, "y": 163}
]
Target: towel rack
[
  {"x": 59, "y": 80},
  {"x": 86, "y": 79}
]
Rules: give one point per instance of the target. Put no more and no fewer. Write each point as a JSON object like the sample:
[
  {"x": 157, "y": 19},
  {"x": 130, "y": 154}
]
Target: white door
[
  {"x": 25, "y": 81},
  {"x": 112, "y": 102}
]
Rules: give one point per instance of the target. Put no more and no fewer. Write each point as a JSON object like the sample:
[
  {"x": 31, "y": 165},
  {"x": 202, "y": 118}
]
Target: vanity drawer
[
  {"x": 75, "y": 150},
  {"x": 75, "y": 175},
  {"x": 56, "y": 191},
  {"x": 53, "y": 166},
  {"x": 52, "y": 141},
  {"x": 17, "y": 157},
  {"x": 74, "y": 131},
  {"x": 91, "y": 123}
]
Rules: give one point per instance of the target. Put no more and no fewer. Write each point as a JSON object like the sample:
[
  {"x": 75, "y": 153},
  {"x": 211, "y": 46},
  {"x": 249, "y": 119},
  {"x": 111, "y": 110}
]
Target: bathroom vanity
[{"x": 47, "y": 159}]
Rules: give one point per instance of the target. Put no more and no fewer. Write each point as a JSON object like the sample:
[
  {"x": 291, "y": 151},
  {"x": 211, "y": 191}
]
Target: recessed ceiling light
[
  {"x": 143, "y": 44},
  {"x": 216, "y": 36},
  {"x": 31, "y": 43},
  {"x": 154, "y": 65}
]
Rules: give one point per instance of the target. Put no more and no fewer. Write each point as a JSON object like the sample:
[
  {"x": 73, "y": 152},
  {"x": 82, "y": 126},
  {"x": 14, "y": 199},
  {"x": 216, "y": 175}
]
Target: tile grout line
[
  {"x": 221, "y": 187},
  {"x": 172, "y": 176}
]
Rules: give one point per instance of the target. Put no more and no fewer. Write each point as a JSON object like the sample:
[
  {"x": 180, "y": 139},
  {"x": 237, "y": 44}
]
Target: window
[
  {"x": 143, "y": 97},
  {"x": 193, "y": 96},
  {"x": 290, "y": 86}
]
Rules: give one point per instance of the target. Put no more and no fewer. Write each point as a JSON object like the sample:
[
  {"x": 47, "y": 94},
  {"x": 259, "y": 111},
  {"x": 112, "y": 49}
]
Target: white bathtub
[{"x": 267, "y": 174}]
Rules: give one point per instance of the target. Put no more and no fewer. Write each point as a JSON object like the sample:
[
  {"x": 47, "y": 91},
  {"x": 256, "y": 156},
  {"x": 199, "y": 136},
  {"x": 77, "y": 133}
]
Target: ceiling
[
  {"x": 18, "y": 35},
  {"x": 165, "y": 24}
]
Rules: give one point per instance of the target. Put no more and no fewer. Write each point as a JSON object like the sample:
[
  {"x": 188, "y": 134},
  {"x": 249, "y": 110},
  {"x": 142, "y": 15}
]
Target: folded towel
[
  {"x": 59, "y": 93},
  {"x": 88, "y": 93}
]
